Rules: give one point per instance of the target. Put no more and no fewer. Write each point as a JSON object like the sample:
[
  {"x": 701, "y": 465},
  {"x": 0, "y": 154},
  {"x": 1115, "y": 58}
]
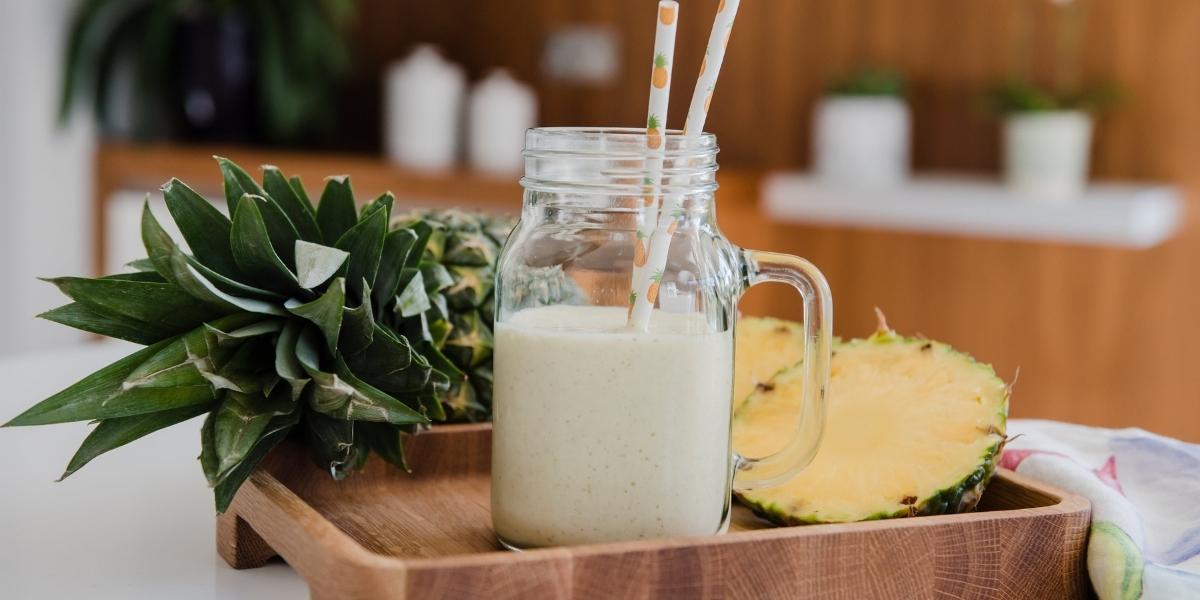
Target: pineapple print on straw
[
  {"x": 656, "y": 126},
  {"x": 671, "y": 211}
]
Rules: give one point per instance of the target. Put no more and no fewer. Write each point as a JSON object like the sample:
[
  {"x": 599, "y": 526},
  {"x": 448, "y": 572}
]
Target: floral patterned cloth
[{"x": 1145, "y": 493}]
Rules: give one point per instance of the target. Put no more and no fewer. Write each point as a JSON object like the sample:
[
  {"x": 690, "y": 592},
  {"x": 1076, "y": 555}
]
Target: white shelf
[{"x": 1109, "y": 213}]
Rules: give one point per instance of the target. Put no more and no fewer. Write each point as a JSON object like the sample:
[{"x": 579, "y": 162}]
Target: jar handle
[{"x": 760, "y": 267}]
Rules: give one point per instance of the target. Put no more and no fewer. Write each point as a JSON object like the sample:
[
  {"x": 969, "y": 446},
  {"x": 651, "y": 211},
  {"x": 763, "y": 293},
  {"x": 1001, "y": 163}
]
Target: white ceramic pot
[
  {"x": 1046, "y": 154},
  {"x": 422, "y": 110},
  {"x": 862, "y": 141},
  {"x": 498, "y": 113}
]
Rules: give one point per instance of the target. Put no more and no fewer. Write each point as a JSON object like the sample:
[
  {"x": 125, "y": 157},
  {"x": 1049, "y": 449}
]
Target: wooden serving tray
[{"x": 383, "y": 533}]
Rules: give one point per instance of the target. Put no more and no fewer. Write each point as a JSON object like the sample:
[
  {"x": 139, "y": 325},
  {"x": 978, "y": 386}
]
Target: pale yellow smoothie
[{"x": 604, "y": 434}]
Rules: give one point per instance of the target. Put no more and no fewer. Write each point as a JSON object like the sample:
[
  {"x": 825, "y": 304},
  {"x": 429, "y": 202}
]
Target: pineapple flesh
[
  {"x": 764, "y": 347},
  {"x": 913, "y": 427}
]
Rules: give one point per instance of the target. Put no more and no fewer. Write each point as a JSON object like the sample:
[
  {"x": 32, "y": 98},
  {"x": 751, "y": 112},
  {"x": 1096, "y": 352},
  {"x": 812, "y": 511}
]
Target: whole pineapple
[
  {"x": 461, "y": 256},
  {"x": 343, "y": 328}
]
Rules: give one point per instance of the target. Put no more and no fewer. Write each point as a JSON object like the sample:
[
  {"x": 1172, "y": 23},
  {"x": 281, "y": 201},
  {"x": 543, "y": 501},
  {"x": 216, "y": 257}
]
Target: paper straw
[
  {"x": 646, "y": 286},
  {"x": 667, "y": 20}
]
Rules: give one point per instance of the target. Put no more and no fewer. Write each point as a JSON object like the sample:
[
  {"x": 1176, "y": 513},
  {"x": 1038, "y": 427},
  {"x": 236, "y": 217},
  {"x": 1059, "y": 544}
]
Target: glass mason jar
[{"x": 604, "y": 431}]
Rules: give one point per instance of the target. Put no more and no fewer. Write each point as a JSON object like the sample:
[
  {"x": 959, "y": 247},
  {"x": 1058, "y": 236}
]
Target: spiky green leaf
[
  {"x": 298, "y": 210},
  {"x": 164, "y": 308},
  {"x": 331, "y": 442},
  {"x": 342, "y": 395},
  {"x": 316, "y": 263},
  {"x": 206, "y": 230},
  {"x": 396, "y": 247},
  {"x": 237, "y": 183},
  {"x": 275, "y": 432},
  {"x": 280, "y": 230},
  {"x": 255, "y": 255},
  {"x": 101, "y": 395},
  {"x": 385, "y": 440},
  {"x": 325, "y": 312},
  {"x": 358, "y": 327},
  {"x": 390, "y": 364},
  {"x": 110, "y": 434},
  {"x": 168, "y": 260},
  {"x": 240, "y": 421},
  {"x": 413, "y": 300},
  {"x": 364, "y": 242},
  {"x": 115, "y": 326},
  {"x": 336, "y": 213}
]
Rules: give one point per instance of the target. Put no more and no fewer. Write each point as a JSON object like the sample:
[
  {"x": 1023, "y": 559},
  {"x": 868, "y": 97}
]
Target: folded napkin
[{"x": 1145, "y": 493}]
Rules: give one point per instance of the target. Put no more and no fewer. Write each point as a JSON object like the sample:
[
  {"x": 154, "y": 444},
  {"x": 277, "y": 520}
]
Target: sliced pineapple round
[
  {"x": 914, "y": 428},
  {"x": 764, "y": 347}
]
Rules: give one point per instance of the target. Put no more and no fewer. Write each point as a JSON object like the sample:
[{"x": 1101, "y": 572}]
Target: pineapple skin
[{"x": 962, "y": 496}]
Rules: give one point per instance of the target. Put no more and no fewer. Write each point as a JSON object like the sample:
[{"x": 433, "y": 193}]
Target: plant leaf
[
  {"x": 383, "y": 202},
  {"x": 390, "y": 364},
  {"x": 238, "y": 424},
  {"x": 115, "y": 326},
  {"x": 206, "y": 230},
  {"x": 396, "y": 248},
  {"x": 170, "y": 261},
  {"x": 287, "y": 365},
  {"x": 298, "y": 187},
  {"x": 413, "y": 300},
  {"x": 316, "y": 263},
  {"x": 364, "y": 242},
  {"x": 280, "y": 229},
  {"x": 424, "y": 232},
  {"x": 324, "y": 312},
  {"x": 255, "y": 255},
  {"x": 199, "y": 286},
  {"x": 114, "y": 433},
  {"x": 343, "y": 396},
  {"x": 164, "y": 308},
  {"x": 101, "y": 396},
  {"x": 208, "y": 448},
  {"x": 237, "y": 183},
  {"x": 297, "y": 209},
  {"x": 336, "y": 213},
  {"x": 358, "y": 328},
  {"x": 276, "y": 430},
  {"x": 331, "y": 442},
  {"x": 386, "y": 440},
  {"x": 141, "y": 264}
]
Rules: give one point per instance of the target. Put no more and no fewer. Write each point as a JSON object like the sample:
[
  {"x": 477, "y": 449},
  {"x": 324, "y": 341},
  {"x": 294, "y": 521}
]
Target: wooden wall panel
[{"x": 1102, "y": 336}]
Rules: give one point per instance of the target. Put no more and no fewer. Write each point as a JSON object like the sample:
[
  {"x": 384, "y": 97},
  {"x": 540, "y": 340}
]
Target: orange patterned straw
[
  {"x": 656, "y": 125},
  {"x": 648, "y": 277}
]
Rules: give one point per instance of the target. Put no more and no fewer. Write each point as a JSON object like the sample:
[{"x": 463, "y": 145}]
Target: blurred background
[{"x": 1014, "y": 177}]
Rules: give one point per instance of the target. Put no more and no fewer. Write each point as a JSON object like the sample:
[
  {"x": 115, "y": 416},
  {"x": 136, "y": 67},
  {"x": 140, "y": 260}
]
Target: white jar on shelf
[
  {"x": 422, "y": 110},
  {"x": 1046, "y": 154},
  {"x": 862, "y": 141},
  {"x": 499, "y": 112}
]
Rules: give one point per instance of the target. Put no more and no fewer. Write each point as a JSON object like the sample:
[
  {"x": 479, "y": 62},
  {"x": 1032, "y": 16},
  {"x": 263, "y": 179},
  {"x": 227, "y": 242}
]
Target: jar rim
[{"x": 616, "y": 142}]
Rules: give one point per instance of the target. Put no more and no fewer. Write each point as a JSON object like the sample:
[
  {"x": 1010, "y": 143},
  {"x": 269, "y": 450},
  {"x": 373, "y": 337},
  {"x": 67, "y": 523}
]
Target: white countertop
[{"x": 137, "y": 522}]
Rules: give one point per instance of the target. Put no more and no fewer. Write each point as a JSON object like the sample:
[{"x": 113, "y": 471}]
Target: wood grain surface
[{"x": 386, "y": 534}]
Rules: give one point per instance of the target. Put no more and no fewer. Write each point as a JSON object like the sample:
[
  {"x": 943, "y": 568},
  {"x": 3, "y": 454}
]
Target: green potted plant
[
  {"x": 861, "y": 130},
  {"x": 217, "y": 70},
  {"x": 1047, "y": 130}
]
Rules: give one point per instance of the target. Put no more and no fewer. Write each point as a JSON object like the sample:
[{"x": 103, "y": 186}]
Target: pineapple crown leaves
[
  {"x": 341, "y": 327},
  {"x": 660, "y": 60},
  {"x": 652, "y": 122}
]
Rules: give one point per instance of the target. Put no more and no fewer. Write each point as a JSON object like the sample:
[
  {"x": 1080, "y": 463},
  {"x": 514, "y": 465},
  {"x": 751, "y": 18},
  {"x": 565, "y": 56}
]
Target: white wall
[{"x": 45, "y": 176}]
